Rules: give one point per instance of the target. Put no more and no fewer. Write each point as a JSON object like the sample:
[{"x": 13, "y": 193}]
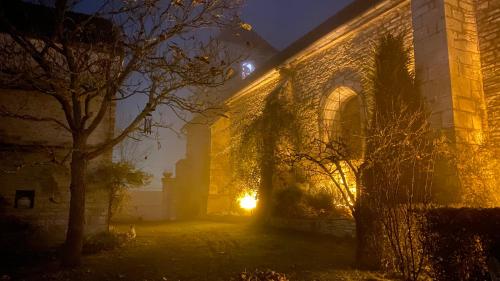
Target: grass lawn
[{"x": 213, "y": 251}]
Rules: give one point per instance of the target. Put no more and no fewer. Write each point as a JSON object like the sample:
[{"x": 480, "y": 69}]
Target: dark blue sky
[{"x": 280, "y": 22}]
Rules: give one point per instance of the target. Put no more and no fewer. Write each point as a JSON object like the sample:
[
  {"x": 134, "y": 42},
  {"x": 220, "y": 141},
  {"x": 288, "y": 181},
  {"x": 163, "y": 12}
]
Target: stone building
[
  {"x": 456, "y": 51},
  {"x": 34, "y": 179},
  {"x": 188, "y": 194}
]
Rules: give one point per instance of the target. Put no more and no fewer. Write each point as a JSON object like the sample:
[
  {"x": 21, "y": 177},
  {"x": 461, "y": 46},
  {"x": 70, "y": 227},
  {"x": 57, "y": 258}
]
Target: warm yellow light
[{"x": 248, "y": 201}]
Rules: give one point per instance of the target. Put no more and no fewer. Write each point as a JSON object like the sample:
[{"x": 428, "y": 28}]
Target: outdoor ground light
[{"x": 248, "y": 201}]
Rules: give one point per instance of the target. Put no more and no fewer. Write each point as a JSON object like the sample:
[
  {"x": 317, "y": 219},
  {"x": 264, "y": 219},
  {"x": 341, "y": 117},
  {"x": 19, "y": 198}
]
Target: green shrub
[
  {"x": 321, "y": 202},
  {"x": 459, "y": 242},
  {"x": 295, "y": 202},
  {"x": 103, "y": 241},
  {"x": 289, "y": 202}
]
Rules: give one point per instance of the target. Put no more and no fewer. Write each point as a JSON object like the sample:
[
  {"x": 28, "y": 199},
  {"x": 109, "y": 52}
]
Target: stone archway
[{"x": 342, "y": 118}]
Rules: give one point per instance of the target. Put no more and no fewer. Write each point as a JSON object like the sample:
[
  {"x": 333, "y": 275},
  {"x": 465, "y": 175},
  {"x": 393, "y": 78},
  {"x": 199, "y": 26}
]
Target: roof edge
[{"x": 342, "y": 17}]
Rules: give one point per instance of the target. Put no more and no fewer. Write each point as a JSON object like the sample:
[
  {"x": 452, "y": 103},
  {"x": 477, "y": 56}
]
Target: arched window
[{"x": 342, "y": 119}]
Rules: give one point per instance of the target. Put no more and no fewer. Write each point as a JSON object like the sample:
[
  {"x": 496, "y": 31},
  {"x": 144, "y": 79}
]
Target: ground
[{"x": 213, "y": 251}]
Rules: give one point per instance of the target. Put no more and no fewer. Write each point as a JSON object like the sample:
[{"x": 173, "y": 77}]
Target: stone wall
[
  {"x": 142, "y": 205},
  {"x": 219, "y": 195},
  {"x": 342, "y": 228},
  {"x": 454, "y": 52},
  {"x": 456, "y": 59},
  {"x": 225, "y": 137},
  {"x": 27, "y": 132},
  {"x": 337, "y": 60},
  {"x": 488, "y": 20},
  {"x": 342, "y": 60},
  {"x": 27, "y": 153},
  {"x": 50, "y": 185},
  {"x": 465, "y": 70}
]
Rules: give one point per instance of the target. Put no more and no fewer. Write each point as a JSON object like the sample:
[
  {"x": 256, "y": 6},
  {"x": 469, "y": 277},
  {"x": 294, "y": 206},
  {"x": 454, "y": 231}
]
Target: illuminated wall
[
  {"x": 220, "y": 195},
  {"x": 203, "y": 181},
  {"x": 488, "y": 25},
  {"x": 456, "y": 45}
]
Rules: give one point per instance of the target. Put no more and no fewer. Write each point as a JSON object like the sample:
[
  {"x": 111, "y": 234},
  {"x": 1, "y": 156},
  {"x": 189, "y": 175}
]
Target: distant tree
[
  {"x": 87, "y": 63},
  {"x": 116, "y": 179}
]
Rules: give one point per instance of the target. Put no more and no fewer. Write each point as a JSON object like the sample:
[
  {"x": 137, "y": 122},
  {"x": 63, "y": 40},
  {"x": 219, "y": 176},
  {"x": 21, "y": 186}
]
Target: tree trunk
[
  {"x": 264, "y": 210},
  {"x": 369, "y": 239},
  {"x": 110, "y": 206},
  {"x": 74, "y": 235},
  {"x": 265, "y": 193}
]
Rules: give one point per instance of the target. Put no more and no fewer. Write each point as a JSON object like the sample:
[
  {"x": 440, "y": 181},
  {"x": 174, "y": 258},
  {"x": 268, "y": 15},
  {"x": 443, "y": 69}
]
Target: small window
[
  {"x": 25, "y": 199},
  {"x": 246, "y": 69}
]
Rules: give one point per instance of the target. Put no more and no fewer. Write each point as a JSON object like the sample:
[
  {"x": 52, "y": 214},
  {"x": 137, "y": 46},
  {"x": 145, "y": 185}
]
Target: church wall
[
  {"x": 465, "y": 70},
  {"x": 225, "y": 137},
  {"x": 192, "y": 173},
  {"x": 338, "y": 61},
  {"x": 456, "y": 57},
  {"x": 453, "y": 56},
  {"x": 219, "y": 197},
  {"x": 343, "y": 61},
  {"x": 488, "y": 20}
]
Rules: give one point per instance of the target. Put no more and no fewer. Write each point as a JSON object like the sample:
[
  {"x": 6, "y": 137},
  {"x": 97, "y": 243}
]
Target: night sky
[{"x": 280, "y": 22}]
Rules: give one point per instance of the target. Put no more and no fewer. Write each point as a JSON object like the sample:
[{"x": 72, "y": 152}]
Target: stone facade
[
  {"x": 488, "y": 25},
  {"x": 27, "y": 167},
  {"x": 456, "y": 48},
  {"x": 200, "y": 183},
  {"x": 35, "y": 146}
]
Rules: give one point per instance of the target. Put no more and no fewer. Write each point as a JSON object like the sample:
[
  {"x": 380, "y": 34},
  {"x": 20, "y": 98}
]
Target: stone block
[
  {"x": 463, "y": 119},
  {"x": 466, "y": 105}
]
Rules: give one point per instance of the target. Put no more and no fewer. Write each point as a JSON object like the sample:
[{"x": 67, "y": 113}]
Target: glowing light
[
  {"x": 248, "y": 201},
  {"x": 246, "y": 69}
]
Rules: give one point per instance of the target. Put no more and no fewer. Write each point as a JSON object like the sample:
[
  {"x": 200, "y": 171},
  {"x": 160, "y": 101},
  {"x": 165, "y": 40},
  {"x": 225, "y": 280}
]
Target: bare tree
[
  {"x": 87, "y": 63},
  {"x": 389, "y": 183},
  {"x": 332, "y": 158},
  {"x": 399, "y": 161},
  {"x": 401, "y": 172},
  {"x": 478, "y": 167}
]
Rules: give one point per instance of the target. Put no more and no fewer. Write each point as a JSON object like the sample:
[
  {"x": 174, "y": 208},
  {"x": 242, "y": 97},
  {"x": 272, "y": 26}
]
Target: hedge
[{"x": 460, "y": 242}]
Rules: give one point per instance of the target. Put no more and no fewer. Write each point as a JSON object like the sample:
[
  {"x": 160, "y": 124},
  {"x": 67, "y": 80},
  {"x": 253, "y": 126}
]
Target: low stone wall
[
  {"x": 143, "y": 205},
  {"x": 335, "y": 227}
]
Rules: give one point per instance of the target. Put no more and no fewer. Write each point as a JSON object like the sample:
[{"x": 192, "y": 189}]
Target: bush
[
  {"x": 104, "y": 241},
  {"x": 21, "y": 243},
  {"x": 259, "y": 275},
  {"x": 321, "y": 201},
  {"x": 459, "y": 242},
  {"x": 288, "y": 202},
  {"x": 18, "y": 236},
  {"x": 295, "y": 202}
]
